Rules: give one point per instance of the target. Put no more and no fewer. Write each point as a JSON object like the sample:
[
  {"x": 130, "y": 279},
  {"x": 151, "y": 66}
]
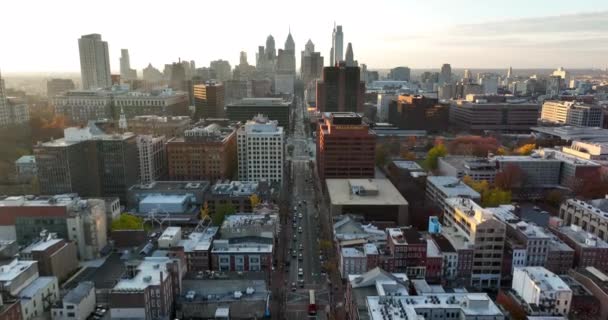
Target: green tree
[
  {"x": 381, "y": 155},
  {"x": 433, "y": 155},
  {"x": 128, "y": 222},
  {"x": 255, "y": 200},
  {"x": 221, "y": 211}
]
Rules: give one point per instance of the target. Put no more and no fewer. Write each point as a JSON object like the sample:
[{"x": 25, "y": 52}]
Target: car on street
[
  {"x": 293, "y": 254},
  {"x": 300, "y": 272},
  {"x": 300, "y": 257},
  {"x": 300, "y": 229},
  {"x": 293, "y": 286},
  {"x": 300, "y": 215},
  {"x": 301, "y": 247},
  {"x": 301, "y": 283}
]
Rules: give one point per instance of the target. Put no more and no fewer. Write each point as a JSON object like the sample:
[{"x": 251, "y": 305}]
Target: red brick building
[
  {"x": 589, "y": 250},
  {"x": 10, "y": 309},
  {"x": 204, "y": 153},
  {"x": 346, "y": 148},
  {"x": 406, "y": 252}
]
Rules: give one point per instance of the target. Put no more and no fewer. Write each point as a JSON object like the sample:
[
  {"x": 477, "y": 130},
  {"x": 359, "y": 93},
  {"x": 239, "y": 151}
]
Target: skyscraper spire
[{"x": 350, "y": 57}]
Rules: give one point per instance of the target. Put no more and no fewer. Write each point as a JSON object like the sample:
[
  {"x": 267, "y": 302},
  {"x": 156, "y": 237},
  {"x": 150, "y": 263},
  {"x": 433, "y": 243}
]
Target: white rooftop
[
  {"x": 148, "y": 274},
  {"x": 352, "y": 253},
  {"x": 165, "y": 199},
  {"x": 41, "y": 245},
  {"x": 10, "y": 271},
  {"x": 452, "y": 187},
  {"x": 33, "y": 288},
  {"x": 199, "y": 241},
  {"x": 432, "y": 251},
  {"x": 223, "y": 246},
  {"x": 364, "y": 192},
  {"x": 170, "y": 233},
  {"x": 546, "y": 280}
]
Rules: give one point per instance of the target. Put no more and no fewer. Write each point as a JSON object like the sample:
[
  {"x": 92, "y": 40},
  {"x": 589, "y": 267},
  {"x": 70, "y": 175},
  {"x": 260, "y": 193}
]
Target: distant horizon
[{"x": 519, "y": 33}]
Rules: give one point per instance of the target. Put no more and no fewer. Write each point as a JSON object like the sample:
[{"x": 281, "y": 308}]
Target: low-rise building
[
  {"x": 193, "y": 191},
  {"x": 560, "y": 257},
  {"x": 589, "y": 250},
  {"x": 596, "y": 282},
  {"x": 274, "y": 108},
  {"x": 38, "y": 298},
  {"x": 26, "y": 168},
  {"x": 542, "y": 290},
  {"x": 197, "y": 248},
  {"x": 235, "y": 193},
  {"x": 478, "y": 169},
  {"x": 406, "y": 252},
  {"x": 372, "y": 283},
  {"x": 147, "y": 291},
  {"x": 440, "y": 188},
  {"x": 591, "y": 216},
  {"x": 170, "y": 237},
  {"x": 168, "y": 126},
  {"x": 78, "y": 303},
  {"x": 375, "y": 199},
  {"x": 498, "y": 113},
  {"x": 241, "y": 256},
  {"x": 55, "y": 257},
  {"x": 587, "y": 150}
]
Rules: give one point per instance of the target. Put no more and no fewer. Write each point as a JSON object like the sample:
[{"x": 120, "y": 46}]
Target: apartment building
[
  {"x": 591, "y": 216},
  {"x": 261, "y": 144}
]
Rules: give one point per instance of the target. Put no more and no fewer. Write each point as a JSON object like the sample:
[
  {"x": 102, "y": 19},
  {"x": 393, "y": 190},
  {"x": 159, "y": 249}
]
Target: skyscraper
[
  {"x": 271, "y": 52},
  {"x": 337, "y": 41},
  {"x": 4, "y": 109},
  {"x": 350, "y": 57},
  {"x": 340, "y": 90},
  {"x": 311, "y": 63},
  {"x": 94, "y": 62},
  {"x": 126, "y": 73},
  {"x": 446, "y": 74},
  {"x": 209, "y": 100}
]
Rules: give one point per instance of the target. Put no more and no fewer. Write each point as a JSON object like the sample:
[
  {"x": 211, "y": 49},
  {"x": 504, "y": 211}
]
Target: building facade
[
  {"x": 261, "y": 144},
  {"x": 94, "y": 62},
  {"x": 572, "y": 113},
  {"x": 274, "y": 108},
  {"x": 480, "y": 113},
  {"x": 209, "y": 100},
  {"x": 340, "y": 90},
  {"x": 152, "y": 154}
]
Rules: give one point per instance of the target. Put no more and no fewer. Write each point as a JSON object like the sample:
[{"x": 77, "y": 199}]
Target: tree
[
  {"x": 325, "y": 244},
  {"x": 128, "y": 221},
  {"x": 526, "y": 149},
  {"x": 473, "y": 145},
  {"x": 255, "y": 200},
  {"x": 495, "y": 197},
  {"x": 204, "y": 211},
  {"x": 221, "y": 211},
  {"x": 433, "y": 155},
  {"x": 502, "y": 151},
  {"x": 479, "y": 186},
  {"x": 554, "y": 198},
  {"x": 509, "y": 177}
]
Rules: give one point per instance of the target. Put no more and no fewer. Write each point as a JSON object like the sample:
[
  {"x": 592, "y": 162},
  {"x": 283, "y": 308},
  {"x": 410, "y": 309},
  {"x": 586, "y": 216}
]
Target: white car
[
  {"x": 300, "y": 272},
  {"x": 299, "y": 229},
  {"x": 300, "y": 215}
]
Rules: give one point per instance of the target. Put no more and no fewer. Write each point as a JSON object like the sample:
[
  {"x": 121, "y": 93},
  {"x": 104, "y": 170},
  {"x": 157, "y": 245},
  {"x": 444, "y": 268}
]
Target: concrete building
[
  {"x": 597, "y": 283},
  {"x": 469, "y": 225},
  {"x": 261, "y": 150},
  {"x": 371, "y": 283},
  {"x": 209, "y": 100},
  {"x": 591, "y": 216},
  {"x": 589, "y": 250},
  {"x": 236, "y": 193},
  {"x": 337, "y": 46},
  {"x": 78, "y": 303},
  {"x": 38, "y": 298},
  {"x": 415, "y": 112},
  {"x": 168, "y": 126},
  {"x": 160, "y": 102},
  {"x": 79, "y": 107},
  {"x": 498, "y": 113},
  {"x": 540, "y": 287},
  {"x": 311, "y": 66},
  {"x": 571, "y": 133},
  {"x": 17, "y": 275},
  {"x": 193, "y": 191},
  {"x": 148, "y": 291},
  {"x": 560, "y": 257},
  {"x": 80, "y": 221},
  {"x": 587, "y": 150},
  {"x": 274, "y": 108},
  {"x": 345, "y": 147},
  {"x": 238, "y": 256},
  {"x": 536, "y": 171},
  {"x": 26, "y": 168},
  {"x": 375, "y": 199},
  {"x": 478, "y": 169},
  {"x": 55, "y": 257},
  {"x": 573, "y": 171},
  {"x": 222, "y": 68},
  {"x": 152, "y": 155},
  {"x": 441, "y": 188},
  {"x": 400, "y": 74},
  {"x": 204, "y": 153},
  {"x": 94, "y": 62},
  {"x": 197, "y": 248},
  {"x": 235, "y": 90},
  {"x": 126, "y": 73},
  {"x": 340, "y": 89},
  {"x": 170, "y": 237},
  {"x": 572, "y": 113},
  {"x": 56, "y": 87},
  {"x": 89, "y": 163}
]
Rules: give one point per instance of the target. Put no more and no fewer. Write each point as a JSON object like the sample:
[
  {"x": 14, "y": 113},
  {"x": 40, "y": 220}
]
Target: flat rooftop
[
  {"x": 260, "y": 102},
  {"x": 171, "y": 186},
  {"x": 235, "y": 188},
  {"x": 10, "y": 271},
  {"x": 148, "y": 274},
  {"x": 569, "y": 133},
  {"x": 582, "y": 237},
  {"x": 199, "y": 241},
  {"x": 452, "y": 187},
  {"x": 545, "y": 279},
  {"x": 380, "y": 192},
  {"x": 409, "y": 165},
  {"x": 33, "y": 288},
  {"x": 41, "y": 245}
]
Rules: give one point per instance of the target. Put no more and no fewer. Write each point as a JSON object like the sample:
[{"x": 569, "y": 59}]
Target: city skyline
[{"x": 492, "y": 35}]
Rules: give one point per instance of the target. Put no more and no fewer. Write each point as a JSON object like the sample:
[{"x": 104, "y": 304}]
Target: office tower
[
  {"x": 399, "y": 74},
  {"x": 243, "y": 57},
  {"x": 126, "y": 73},
  {"x": 152, "y": 74},
  {"x": 222, "y": 68},
  {"x": 271, "y": 52},
  {"x": 88, "y": 163},
  {"x": 243, "y": 71},
  {"x": 4, "y": 108},
  {"x": 510, "y": 73},
  {"x": 246, "y": 109},
  {"x": 261, "y": 150},
  {"x": 337, "y": 41},
  {"x": 350, "y": 58},
  {"x": 414, "y": 112},
  {"x": 209, "y": 100},
  {"x": 572, "y": 113},
  {"x": 312, "y": 66},
  {"x": 152, "y": 155},
  {"x": 346, "y": 148},
  {"x": 467, "y": 75},
  {"x": 284, "y": 79},
  {"x": 554, "y": 85},
  {"x": 206, "y": 152},
  {"x": 177, "y": 76},
  {"x": 235, "y": 90},
  {"x": 340, "y": 89},
  {"x": 58, "y": 86},
  {"x": 309, "y": 47},
  {"x": 480, "y": 112},
  {"x": 563, "y": 74},
  {"x": 94, "y": 62},
  {"x": 445, "y": 76},
  {"x": 489, "y": 83}
]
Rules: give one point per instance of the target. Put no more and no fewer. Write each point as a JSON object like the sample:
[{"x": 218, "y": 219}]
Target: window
[{"x": 71, "y": 314}]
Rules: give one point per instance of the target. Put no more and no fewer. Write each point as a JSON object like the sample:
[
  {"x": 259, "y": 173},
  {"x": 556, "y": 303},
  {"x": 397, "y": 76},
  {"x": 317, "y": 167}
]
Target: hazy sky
[{"x": 42, "y": 35}]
